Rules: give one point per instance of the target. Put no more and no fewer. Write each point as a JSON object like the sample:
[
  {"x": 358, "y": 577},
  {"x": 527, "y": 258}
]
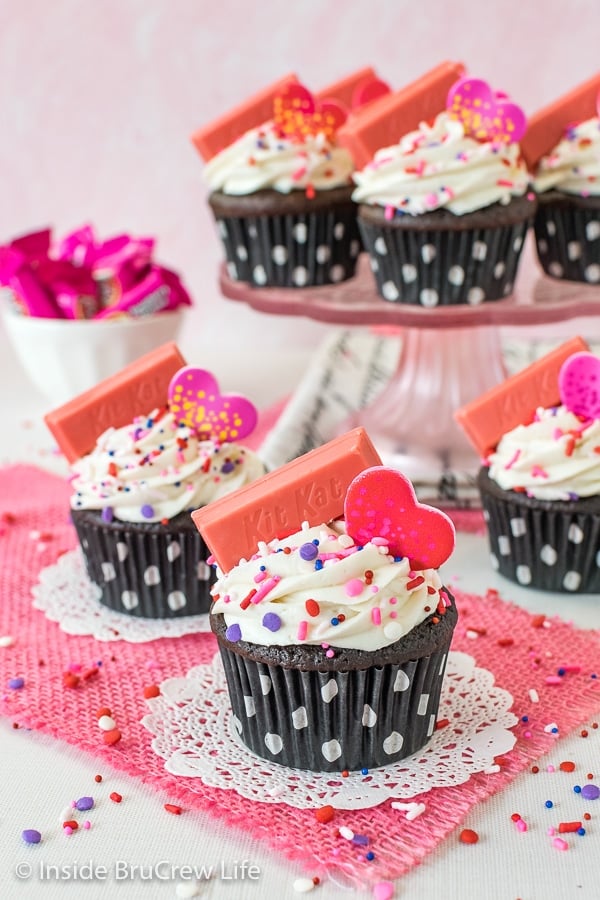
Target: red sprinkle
[
  {"x": 505, "y": 642},
  {"x": 312, "y": 608},
  {"x": 441, "y": 723},
  {"x": 71, "y": 824},
  {"x": 538, "y": 621},
  {"x": 324, "y": 814},
  {"x": 111, "y": 737},
  {"x": 98, "y": 778},
  {"x": 565, "y": 827},
  {"x": 172, "y": 808},
  {"x": 468, "y": 836},
  {"x": 103, "y": 711},
  {"x": 70, "y": 680},
  {"x": 414, "y": 582},
  {"x": 116, "y": 798},
  {"x": 567, "y": 766},
  {"x": 152, "y": 690}
]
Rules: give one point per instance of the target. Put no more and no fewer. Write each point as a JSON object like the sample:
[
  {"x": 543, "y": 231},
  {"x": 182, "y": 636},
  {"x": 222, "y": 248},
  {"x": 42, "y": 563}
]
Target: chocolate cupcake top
[
  {"x": 158, "y": 467},
  {"x": 320, "y": 587},
  {"x": 573, "y": 166}
]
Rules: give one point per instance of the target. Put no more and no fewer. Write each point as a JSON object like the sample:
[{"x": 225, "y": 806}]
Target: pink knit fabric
[{"x": 41, "y": 653}]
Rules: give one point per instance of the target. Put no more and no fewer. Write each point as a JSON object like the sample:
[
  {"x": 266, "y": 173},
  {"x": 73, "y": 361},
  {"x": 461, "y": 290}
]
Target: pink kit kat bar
[
  {"x": 345, "y": 90},
  {"x": 393, "y": 115},
  {"x": 547, "y": 126},
  {"x": 138, "y": 388},
  {"x": 213, "y": 138},
  {"x": 513, "y": 402},
  {"x": 311, "y": 488}
]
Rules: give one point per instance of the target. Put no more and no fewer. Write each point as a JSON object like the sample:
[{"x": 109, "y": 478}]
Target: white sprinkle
[
  {"x": 550, "y": 728},
  {"x": 472, "y": 635},
  {"x": 491, "y": 770},
  {"x": 534, "y": 696},
  {"x": 7, "y": 640},
  {"x": 419, "y": 808},
  {"x": 346, "y": 832}
]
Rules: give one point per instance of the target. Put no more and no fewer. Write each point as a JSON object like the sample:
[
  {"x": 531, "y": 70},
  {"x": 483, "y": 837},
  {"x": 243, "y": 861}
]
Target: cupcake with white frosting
[
  {"x": 281, "y": 197},
  {"x": 567, "y": 224},
  {"x": 131, "y": 502},
  {"x": 444, "y": 213},
  {"x": 334, "y": 650}
]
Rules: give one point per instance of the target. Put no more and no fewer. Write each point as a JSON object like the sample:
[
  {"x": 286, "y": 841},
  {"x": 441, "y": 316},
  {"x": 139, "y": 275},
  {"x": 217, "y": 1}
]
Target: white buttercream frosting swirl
[
  {"x": 438, "y": 166},
  {"x": 573, "y": 166},
  {"x": 156, "y": 468},
  {"x": 262, "y": 159},
  {"x": 317, "y": 587},
  {"x": 555, "y": 457}
]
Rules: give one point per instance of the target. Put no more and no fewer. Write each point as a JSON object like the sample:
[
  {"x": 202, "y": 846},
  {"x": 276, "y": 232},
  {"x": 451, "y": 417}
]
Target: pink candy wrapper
[{"x": 82, "y": 278}]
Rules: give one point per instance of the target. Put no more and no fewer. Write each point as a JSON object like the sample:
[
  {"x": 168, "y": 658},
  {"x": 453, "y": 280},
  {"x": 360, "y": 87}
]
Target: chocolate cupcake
[
  {"x": 334, "y": 641},
  {"x": 281, "y": 197},
  {"x": 133, "y": 493},
  {"x": 444, "y": 213},
  {"x": 540, "y": 485}
]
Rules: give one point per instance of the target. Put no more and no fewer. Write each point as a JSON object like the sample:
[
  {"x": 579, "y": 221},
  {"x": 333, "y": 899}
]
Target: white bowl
[{"x": 64, "y": 357}]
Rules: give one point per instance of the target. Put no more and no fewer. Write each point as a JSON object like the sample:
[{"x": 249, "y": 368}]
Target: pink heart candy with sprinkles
[
  {"x": 381, "y": 502},
  {"x": 486, "y": 115},
  {"x": 579, "y": 384},
  {"x": 194, "y": 398}
]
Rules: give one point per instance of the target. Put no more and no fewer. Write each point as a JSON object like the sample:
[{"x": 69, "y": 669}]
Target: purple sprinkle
[
  {"x": 308, "y": 551},
  {"x": 31, "y": 836},
  {"x": 107, "y": 514},
  {"x": 590, "y": 792},
  {"x": 84, "y": 803},
  {"x": 147, "y": 511},
  {"x": 227, "y": 467},
  {"x": 233, "y": 633},
  {"x": 15, "y": 684},
  {"x": 360, "y": 839},
  {"x": 271, "y": 621}
]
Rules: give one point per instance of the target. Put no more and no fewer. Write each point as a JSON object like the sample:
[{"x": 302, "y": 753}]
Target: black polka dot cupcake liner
[
  {"x": 146, "y": 570},
  {"x": 567, "y": 236},
  {"x": 318, "y": 244},
  {"x": 431, "y": 267},
  {"x": 336, "y": 720},
  {"x": 550, "y": 545}
]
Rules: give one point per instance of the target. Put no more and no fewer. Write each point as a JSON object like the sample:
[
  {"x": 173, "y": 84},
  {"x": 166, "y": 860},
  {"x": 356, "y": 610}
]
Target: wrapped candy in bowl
[{"x": 78, "y": 310}]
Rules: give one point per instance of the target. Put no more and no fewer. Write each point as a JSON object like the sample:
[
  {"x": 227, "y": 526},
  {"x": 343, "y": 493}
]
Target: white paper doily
[
  {"x": 66, "y": 595},
  {"x": 195, "y": 733}
]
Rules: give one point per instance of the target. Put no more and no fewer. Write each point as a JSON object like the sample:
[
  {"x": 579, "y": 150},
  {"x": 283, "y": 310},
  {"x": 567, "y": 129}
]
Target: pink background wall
[{"x": 98, "y": 101}]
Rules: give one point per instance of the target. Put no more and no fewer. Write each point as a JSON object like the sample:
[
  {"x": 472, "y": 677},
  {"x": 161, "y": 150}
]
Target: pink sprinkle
[
  {"x": 393, "y": 600},
  {"x": 87, "y": 824},
  {"x": 550, "y": 769},
  {"x": 557, "y": 434},
  {"x": 68, "y": 830},
  {"x": 551, "y": 831},
  {"x": 380, "y": 542},
  {"x": 513, "y": 459},
  {"x": 560, "y": 844},
  {"x": 376, "y": 615},
  {"x": 329, "y": 654},
  {"x": 574, "y": 669},
  {"x": 302, "y": 630},
  {"x": 389, "y": 213},
  {"x": 260, "y": 576},
  {"x": 354, "y": 587},
  {"x": 538, "y": 472},
  {"x": 265, "y": 588},
  {"x": 553, "y": 679},
  {"x": 299, "y": 173},
  {"x": 393, "y": 614},
  {"x": 431, "y": 199},
  {"x": 521, "y": 825},
  {"x": 504, "y": 182}
]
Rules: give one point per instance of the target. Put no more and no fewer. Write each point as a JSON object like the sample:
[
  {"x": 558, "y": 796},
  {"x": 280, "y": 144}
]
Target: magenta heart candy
[
  {"x": 579, "y": 384},
  {"x": 381, "y": 502},
  {"x": 194, "y": 398},
  {"x": 485, "y": 115}
]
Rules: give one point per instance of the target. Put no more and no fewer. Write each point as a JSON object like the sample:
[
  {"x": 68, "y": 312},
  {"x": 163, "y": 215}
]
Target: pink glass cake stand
[{"x": 449, "y": 356}]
